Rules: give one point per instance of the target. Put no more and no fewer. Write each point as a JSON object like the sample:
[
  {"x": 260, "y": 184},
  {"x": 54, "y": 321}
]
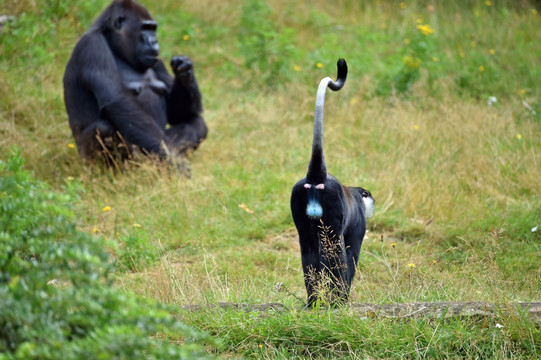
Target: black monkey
[
  {"x": 330, "y": 218},
  {"x": 118, "y": 92}
]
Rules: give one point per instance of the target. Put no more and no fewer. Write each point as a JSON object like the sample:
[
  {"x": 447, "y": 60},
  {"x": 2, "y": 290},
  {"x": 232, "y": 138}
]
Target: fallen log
[
  {"x": 432, "y": 310},
  {"x": 449, "y": 309}
]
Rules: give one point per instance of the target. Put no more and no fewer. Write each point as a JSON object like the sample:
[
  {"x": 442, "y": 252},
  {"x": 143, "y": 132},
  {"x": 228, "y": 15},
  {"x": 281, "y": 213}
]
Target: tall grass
[{"x": 456, "y": 181}]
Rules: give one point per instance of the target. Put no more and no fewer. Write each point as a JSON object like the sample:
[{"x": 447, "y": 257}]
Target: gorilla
[
  {"x": 330, "y": 217},
  {"x": 119, "y": 95}
]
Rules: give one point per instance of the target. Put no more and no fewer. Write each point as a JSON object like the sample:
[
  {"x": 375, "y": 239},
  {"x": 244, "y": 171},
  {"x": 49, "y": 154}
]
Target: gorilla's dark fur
[
  {"x": 330, "y": 218},
  {"x": 118, "y": 92}
]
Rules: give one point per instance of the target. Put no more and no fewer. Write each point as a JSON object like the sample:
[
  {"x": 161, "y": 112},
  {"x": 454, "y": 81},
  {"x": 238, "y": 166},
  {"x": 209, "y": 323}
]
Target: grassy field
[{"x": 456, "y": 177}]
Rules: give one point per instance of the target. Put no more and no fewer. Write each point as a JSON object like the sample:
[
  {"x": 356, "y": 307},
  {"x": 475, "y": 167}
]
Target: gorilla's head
[{"x": 131, "y": 33}]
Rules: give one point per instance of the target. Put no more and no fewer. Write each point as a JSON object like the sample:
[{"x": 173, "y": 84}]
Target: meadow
[{"x": 440, "y": 119}]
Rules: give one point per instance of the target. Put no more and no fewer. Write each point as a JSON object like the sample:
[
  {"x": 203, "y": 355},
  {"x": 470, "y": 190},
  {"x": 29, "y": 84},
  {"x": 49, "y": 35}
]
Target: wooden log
[
  {"x": 448, "y": 309},
  {"x": 432, "y": 310}
]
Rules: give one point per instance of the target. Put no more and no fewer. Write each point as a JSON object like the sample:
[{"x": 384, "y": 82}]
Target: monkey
[{"x": 330, "y": 218}]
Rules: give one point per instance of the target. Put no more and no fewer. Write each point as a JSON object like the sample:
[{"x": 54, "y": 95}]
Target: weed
[
  {"x": 418, "y": 54},
  {"x": 329, "y": 282},
  {"x": 137, "y": 252}
]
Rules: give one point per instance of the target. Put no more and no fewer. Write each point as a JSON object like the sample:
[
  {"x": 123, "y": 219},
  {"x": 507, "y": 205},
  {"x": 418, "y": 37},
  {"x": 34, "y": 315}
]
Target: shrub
[{"x": 56, "y": 298}]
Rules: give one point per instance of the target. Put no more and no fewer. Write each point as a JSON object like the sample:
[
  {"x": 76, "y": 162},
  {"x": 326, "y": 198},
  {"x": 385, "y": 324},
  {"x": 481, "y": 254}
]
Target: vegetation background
[{"x": 440, "y": 118}]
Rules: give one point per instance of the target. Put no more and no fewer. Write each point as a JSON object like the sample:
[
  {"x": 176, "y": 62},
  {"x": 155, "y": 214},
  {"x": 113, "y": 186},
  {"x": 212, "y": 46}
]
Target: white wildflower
[{"x": 492, "y": 100}]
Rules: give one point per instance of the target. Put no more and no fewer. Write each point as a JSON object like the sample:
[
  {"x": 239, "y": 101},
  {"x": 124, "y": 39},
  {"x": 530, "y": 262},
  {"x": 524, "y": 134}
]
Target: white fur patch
[{"x": 369, "y": 206}]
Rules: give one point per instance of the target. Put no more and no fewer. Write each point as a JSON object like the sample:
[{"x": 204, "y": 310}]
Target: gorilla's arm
[
  {"x": 184, "y": 99},
  {"x": 99, "y": 73}
]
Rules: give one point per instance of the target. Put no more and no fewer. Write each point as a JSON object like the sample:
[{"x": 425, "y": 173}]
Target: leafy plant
[{"x": 56, "y": 299}]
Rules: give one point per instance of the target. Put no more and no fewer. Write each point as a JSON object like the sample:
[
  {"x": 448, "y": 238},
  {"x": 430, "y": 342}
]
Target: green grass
[
  {"x": 456, "y": 181},
  {"x": 342, "y": 334}
]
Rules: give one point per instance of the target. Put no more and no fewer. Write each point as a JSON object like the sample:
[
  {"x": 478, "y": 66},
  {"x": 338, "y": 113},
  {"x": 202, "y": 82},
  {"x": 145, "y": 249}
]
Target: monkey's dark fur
[
  {"x": 115, "y": 84},
  {"x": 319, "y": 200}
]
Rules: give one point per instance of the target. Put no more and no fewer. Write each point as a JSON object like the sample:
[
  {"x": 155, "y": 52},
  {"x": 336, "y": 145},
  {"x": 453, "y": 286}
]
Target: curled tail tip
[
  {"x": 342, "y": 65},
  {"x": 341, "y": 76}
]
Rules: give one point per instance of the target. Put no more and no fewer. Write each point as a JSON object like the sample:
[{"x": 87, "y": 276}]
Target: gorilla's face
[
  {"x": 134, "y": 40},
  {"x": 147, "y": 48}
]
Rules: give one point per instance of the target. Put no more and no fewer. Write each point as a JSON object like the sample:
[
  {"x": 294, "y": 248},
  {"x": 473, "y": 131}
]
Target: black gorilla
[
  {"x": 118, "y": 92},
  {"x": 330, "y": 217}
]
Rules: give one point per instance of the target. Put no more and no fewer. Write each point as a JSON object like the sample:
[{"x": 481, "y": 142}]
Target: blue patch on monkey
[{"x": 313, "y": 209}]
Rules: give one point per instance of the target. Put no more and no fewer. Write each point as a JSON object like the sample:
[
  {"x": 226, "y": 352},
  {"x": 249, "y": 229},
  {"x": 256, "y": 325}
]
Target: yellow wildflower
[
  {"x": 136, "y": 225},
  {"x": 71, "y": 146},
  {"x": 434, "y": 262},
  {"x": 95, "y": 230},
  {"x": 461, "y": 51},
  {"x": 70, "y": 178},
  {"x": 425, "y": 29},
  {"x": 260, "y": 346},
  {"x": 319, "y": 65},
  {"x": 411, "y": 265},
  {"x": 186, "y": 37},
  {"x": 415, "y": 127},
  {"x": 353, "y": 101},
  {"x": 488, "y": 3},
  {"x": 245, "y": 208},
  {"x": 402, "y": 5},
  {"x": 481, "y": 68},
  {"x": 492, "y": 52},
  {"x": 393, "y": 244},
  {"x": 412, "y": 62},
  {"x": 106, "y": 209},
  {"x": 435, "y": 59},
  {"x": 519, "y": 136},
  {"x": 534, "y": 12},
  {"x": 296, "y": 67}
]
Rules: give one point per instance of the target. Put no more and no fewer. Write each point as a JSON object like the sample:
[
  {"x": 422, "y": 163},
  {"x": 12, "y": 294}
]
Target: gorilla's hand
[{"x": 182, "y": 68}]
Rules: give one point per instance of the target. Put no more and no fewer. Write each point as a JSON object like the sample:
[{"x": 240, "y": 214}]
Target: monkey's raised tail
[{"x": 317, "y": 169}]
